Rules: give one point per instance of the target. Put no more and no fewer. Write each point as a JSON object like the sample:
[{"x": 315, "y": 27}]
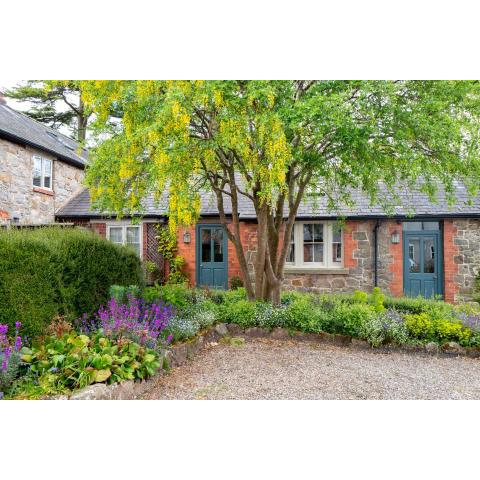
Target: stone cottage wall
[
  {"x": 19, "y": 198},
  {"x": 461, "y": 258},
  {"x": 358, "y": 271}
]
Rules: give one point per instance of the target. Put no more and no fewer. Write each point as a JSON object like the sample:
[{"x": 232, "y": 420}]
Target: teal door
[
  {"x": 422, "y": 267},
  {"x": 212, "y": 256}
]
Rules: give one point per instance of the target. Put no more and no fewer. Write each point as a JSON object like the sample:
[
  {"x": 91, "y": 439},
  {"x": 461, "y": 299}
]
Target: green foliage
[
  {"x": 121, "y": 293},
  {"x": 236, "y": 282},
  {"x": 176, "y": 275},
  {"x": 423, "y": 327},
  {"x": 377, "y": 298},
  {"x": 241, "y": 312},
  {"x": 50, "y": 271},
  {"x": 167, "y": 247},
  {"x": 59, "y": 365},
  {"x": 360, "y": 297}
]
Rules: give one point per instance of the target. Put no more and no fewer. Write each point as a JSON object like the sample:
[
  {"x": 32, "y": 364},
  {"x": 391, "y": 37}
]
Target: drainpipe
[{"x": 375, "y": 252}]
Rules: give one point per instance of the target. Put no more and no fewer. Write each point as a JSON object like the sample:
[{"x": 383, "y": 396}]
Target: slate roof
[
  {"x": 411, "y": 202},
  {"x": 18, "y": 127}
]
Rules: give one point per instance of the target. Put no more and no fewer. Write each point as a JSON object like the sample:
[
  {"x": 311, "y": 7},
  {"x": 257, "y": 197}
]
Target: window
[
  {"x": 42, "y": 172},
  {"x": 315, "y": 245},
  {"x": 291, "y": 248},
  {"x": 125, "y": 235},
  {"x": 417, "y": 226}
]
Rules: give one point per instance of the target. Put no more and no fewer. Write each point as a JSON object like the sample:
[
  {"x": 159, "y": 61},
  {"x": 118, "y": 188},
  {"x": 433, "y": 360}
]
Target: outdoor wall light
[
  {"x": 395, "y": 237},
  {"x": 186, "y": 237}
]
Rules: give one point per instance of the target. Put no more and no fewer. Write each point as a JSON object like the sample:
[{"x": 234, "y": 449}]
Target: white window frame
[
  {"x": 124, "y": 225},
  {"x": 43, "y": 160},
  {"x": 328, "y": 262}
]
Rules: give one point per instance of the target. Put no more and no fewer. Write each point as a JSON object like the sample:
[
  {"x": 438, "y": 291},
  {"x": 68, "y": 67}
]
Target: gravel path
[{"x": 271, "y": 369}]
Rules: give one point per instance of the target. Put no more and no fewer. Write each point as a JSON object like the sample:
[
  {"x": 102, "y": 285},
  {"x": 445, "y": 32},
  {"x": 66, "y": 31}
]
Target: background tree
[
  {"x": 56, "y": 103},
  {"x": 273, "y": 142}
]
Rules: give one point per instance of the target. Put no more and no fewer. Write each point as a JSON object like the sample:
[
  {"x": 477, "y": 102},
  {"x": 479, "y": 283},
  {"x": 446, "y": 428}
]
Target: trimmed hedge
[{"x": 50, "y": 271}]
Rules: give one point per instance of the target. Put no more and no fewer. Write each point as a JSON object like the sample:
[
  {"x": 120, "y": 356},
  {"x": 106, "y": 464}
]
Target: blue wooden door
[
  {"x": 422, "y": 264},
  {"x": 212, "y": 256}
]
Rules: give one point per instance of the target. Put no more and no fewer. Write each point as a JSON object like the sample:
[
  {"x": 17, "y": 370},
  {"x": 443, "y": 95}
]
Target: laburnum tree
[
  {"x": 273, "y": 143},
  {"x": 57, "y": 103}
]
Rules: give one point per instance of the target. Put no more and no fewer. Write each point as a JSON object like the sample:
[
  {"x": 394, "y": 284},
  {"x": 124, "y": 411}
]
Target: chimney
[{"x": 2, "y": 99}]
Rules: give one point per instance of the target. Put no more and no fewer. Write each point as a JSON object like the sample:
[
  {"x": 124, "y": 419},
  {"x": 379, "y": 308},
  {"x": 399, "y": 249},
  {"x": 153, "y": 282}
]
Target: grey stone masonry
[
  {"x": 19, "y": 198},
  {"x": 467, "y": 240}
]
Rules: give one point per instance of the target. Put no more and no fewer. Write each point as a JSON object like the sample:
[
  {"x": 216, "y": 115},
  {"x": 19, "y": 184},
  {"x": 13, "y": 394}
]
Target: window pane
[
  {"x": 431, "y": 225},
  {"x": 116, "y": 234},
  {"x": 218, "y": 245},
  {"x": 429, "y": 255},
  {"x": 318, "y": 232},
  {"x": 414, "y": 254},
  {"x": 307, "y": 232},
  {"x": 308, "y": 253},
  {"x": 412, "y": 225},
  {"x": 206, "y": 247},
  {"x": 47, "y": 173},
  {"x": 291, "y": 254},
  {"x": 37, "y": 172},
  {"x": 337, "y": 253},
  {"x": 133, "y": 234},
  {"x": 318, "y": 252}
]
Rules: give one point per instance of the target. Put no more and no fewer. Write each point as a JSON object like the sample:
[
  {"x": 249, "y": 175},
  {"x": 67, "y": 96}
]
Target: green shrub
[
  {"x": 377, "y": 298},
  {"x": 178, "y": 295},
  {"x": 50, "y": 271},
  {"x": 424, "y": 327},
  {"x": 360, "y": 297},
  {"x": 60, "y": 365},
  {"x": 352, "y": 318},
  {"x": 241, "y": 312}
]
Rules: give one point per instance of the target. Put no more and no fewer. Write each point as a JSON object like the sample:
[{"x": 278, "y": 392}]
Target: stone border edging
[{"x": 179, "y": 354}]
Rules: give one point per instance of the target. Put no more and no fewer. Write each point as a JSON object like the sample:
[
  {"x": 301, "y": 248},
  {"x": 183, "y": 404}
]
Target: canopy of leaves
[{"x": 185, "y": 135}]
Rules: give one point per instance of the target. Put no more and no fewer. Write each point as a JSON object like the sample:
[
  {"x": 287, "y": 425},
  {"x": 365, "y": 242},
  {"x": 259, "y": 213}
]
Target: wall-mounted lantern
[
  {"x": 395, "y": 237},
  {"x": 186, "y": 237}
]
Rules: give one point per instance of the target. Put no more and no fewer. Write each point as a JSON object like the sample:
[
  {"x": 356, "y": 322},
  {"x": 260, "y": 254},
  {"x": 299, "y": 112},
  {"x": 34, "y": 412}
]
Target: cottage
[
  {"x": 436, "y": 252},
  {"x": 40, "y": 169}
]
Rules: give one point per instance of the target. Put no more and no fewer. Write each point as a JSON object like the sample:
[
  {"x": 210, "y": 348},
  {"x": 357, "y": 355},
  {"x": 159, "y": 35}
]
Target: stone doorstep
[{"x": 179, "y": 354}]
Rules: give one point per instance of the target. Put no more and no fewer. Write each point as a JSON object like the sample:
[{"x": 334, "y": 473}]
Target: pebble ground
[{"x": 264, "y": 369}]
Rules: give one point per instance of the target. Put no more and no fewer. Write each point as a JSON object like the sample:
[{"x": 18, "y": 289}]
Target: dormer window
[{"x": 42, "y": 172}]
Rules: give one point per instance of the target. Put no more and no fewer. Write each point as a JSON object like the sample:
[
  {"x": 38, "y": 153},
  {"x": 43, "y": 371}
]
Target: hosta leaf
[{"x": 102, "y": 375}]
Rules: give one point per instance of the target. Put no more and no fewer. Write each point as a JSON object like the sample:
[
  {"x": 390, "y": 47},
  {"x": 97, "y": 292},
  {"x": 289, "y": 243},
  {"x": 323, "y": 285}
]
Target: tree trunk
[{"x": 82, "y": 120}]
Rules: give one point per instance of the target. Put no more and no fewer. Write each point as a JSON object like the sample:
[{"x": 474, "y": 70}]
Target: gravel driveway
[{"x": 272, "y": 369}]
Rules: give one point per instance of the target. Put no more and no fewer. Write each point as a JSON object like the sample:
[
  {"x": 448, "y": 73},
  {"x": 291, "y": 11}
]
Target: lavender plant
[
  {"x": 142, "y": 323},
  {"x": 9, "y": 356}
]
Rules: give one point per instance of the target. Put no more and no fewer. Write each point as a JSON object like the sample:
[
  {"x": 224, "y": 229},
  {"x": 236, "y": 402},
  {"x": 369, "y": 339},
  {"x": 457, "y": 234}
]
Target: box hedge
[{"x": 49, "y": 271}]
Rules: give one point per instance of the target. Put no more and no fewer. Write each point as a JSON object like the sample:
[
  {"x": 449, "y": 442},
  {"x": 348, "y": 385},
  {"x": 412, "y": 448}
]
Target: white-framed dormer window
[
  {"x": 42, "y": 172},
  {"x": 315, "y": 244},
  {"x": 126, "y": 234}
]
